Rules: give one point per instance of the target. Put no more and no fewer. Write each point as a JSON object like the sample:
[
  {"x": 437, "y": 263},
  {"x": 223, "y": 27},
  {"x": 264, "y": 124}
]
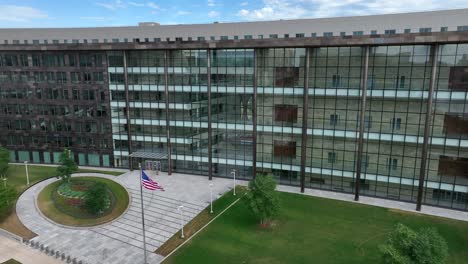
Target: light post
[
  {"x": 211, "y": 197},
  {"x": 4, "y": 182},
  {"x": 181, "y": 220},
  {"x": 234, "y": 173},
  {"x": 27, "y": 173}
]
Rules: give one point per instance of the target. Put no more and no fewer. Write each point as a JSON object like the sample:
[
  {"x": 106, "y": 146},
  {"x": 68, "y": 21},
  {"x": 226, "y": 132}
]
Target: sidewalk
[{"x": 10, "y": 249}]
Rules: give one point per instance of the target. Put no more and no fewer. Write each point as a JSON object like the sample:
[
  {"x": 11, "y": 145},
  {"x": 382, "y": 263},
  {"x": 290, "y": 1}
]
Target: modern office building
[{"x": 373, "y": 105}]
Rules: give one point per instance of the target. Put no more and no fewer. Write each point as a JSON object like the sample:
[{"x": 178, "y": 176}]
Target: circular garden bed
[{"x": 66, "y": 202}]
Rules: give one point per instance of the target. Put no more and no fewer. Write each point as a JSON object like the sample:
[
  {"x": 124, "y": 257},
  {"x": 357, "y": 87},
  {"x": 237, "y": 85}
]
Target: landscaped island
[{"x": 84, "y": 201}]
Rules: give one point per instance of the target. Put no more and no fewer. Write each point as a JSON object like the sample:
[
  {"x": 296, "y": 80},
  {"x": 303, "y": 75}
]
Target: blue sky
[{"x": 92, "y": 13}]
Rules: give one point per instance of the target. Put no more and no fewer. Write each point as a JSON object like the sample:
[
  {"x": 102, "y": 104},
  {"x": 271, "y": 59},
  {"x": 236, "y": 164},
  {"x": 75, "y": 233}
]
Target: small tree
[
  {"x": 262, "y": 199},
  {"x": 67, "y": 166},
  {"x": 96, "y": 198},
  {"x": 405, "y": 246},
  {"x": 7, "y": 196},
  {"x": 4, "y": 159}
]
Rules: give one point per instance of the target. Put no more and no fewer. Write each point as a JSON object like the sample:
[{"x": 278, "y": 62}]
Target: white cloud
[
  {"x": 183, "y": 13},
  {"x": 136, "y": 4},
  {"x": 291, "y": 9},
  {"x": 152, "y": 5},
  {"x": 244, "y": 3},
  {"x": 117, "y": 4},
  {"x": 211, "y": 3},
  {"x": 213, "y": 14},
  {"x": 16, "y": 13}
]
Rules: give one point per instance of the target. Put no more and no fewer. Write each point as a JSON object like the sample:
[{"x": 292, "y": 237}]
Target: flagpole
[{"x": 142, "y": 213}]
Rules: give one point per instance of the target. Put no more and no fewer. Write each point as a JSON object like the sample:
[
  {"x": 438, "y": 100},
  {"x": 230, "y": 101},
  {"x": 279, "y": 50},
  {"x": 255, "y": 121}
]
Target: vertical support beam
[
  {"x": 305, "y": 113},
  {"x": 208, "y": 72},
  {"x": 362, "y": 112},
  {"x": 254, "y": 116},
  {"x": 168, "y": 127},
  {"x": 427, "y": 126},
  {"x": 127, "y": 112}
]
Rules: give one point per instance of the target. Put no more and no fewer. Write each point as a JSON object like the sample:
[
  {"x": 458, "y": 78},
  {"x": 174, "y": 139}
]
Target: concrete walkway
[
  {"x": 121, "y": 241},
  {"x": 11, "y": 249}
]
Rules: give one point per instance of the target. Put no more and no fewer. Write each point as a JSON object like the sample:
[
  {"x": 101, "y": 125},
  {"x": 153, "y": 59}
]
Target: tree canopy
[
  {"x": 96, "y": 198},
  {"x": 262, "y": 199},
  {"x": 67, "y": 166},
  {"x": 406, "y": 246},
  {"x": 4, "y": 160}
]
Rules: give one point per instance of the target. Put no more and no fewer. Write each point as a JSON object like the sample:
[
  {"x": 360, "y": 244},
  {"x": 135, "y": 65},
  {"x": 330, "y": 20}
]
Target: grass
[
  {"x": 199, "y": 221},
  {"x": 17, "y": 177},
  {"x": 312, "y": 230},
  {"x": 11, "y": 261},
  {"x": 47, "y": 207}
]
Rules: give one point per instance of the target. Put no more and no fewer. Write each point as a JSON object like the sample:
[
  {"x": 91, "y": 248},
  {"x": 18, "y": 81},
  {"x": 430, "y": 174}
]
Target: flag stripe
[{"x": 148, "y": 183}]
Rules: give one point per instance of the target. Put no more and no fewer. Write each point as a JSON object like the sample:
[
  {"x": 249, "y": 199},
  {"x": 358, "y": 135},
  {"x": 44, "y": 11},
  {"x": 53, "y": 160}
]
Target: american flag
[{"x": 148, "y": 183}]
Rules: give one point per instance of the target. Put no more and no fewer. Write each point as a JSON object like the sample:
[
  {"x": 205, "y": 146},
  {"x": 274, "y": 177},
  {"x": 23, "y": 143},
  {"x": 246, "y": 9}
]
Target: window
[
  {"x": 85, "y": 60},
  {"x": 358, "y": 33},
  {"x": 273, "y": 35},
  {"x": 300, "y": 35},
  {"x": 342, "y": 34},
  {"x": 75, "y": 77},
  {"x": 155, "y": 40},
  {"x": 462, "y": 28},
  {"x": 95, "y": 41},
  {"x": 336, "y": 81},
  {"x": 35, "y": 41},
  {"x": 87, "y": 77},
  {"x": 334, "y": 119},
  {"x": 407, "y": 30},
  {"x": 260, "y": 36},
  {"x": 224, "y": 38},
  {"x": 400, "y": 82},
  {"x": 75, "y": 41},
  {"x": 286, "y": 35},
  {"x": 313, "y": 35},
  {"x": 286, "y": 113},
  {"x": 368, "y": 122},
  {"x": 284, "y": 148},
  {"x": 373, "y": 32},
  {"x": 443, "y": 29},
  {"x": 247, "y": 36},
  {"x": 236, "y": 37},
  {"x": 328, "y": 34},
  {"x": 212, "y": 38},
  {"x": 365, "y": 162},
  {"x": 24, "y": 60},
  {"x": 98, "y": 77},
  {"x": 396, "y": 123},
  {"x": 55, "y": 41},
  {"x": 115, "y": 40},
  {"x": 425, "y": 30},
  {"x": 179, "y": 39},
  {"x": 390, "y": 31},
  {"x": 201, "y": 38},
  {"x": 331, "y": 157},
  {"x": 392, "y": 164}
]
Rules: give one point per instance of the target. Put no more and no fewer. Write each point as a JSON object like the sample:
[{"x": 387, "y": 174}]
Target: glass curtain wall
[
  {"x": 398, "y": 84},
  {"x": 447, "y": 181},
  {"x": 231, "y": 105},
  {"x": 188, "y": 106},
  {"x": 334, "y": 101},
  {"x": 279, "y": 112}
]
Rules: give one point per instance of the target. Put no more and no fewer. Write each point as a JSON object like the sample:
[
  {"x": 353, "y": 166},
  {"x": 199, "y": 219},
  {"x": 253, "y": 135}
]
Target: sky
[{"x": 95, "y": 13}]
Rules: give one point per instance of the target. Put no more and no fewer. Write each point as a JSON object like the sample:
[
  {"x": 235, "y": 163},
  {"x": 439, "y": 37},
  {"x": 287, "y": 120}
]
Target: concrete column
[
  {"x": 305, "y": 112},
  {"x": 254, "y": 117},
  {"x": 168, "y": 127},
  {"x": 210, "y": 155},
  {"x": 361, "y": 125},
  {"x": 127, "y": 112},
  {"x": 427, "y": 126}
]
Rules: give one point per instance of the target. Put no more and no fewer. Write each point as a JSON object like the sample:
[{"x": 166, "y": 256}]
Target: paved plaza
[{"x": 121, "y": 241}]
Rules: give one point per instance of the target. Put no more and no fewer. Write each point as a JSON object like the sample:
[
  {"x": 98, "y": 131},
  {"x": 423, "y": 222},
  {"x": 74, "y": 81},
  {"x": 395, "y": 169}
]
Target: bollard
[
  {"x": 47, "y": 250},
  {"x": 31, "y": 244},
  {"x": 63, "y": 256},
  {"x": 68, "y": 259},
  {"x": 52, "y": 252},
  {"x": 74, "y": 261},
  {"x": 41, "y": 248},
  {"x": 57, "y": 254}
]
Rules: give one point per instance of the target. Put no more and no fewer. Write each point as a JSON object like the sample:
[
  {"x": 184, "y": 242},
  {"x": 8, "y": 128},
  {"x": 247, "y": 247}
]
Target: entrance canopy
[{"x": 157, "y": 155}]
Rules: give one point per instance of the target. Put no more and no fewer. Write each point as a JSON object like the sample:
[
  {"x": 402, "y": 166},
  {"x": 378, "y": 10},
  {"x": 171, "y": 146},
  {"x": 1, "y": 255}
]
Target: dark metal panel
[
  {"x": 168, "y": 127},
  {"x": 210, "y": 157},
  {"x": 254, "y": 117},
  {"x": 361, "y": 125},
  {"x": 373, "y": 40},
  {"x": 127, "y": 108},
  {"x": 305, "y": 111},
  {"x": 427, "y": 126}
]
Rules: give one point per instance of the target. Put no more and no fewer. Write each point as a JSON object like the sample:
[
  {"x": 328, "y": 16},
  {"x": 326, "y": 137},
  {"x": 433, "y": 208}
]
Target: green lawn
[{"x": 311, "y": 230}]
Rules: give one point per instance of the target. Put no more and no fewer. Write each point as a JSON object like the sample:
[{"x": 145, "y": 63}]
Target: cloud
[
  {"x": 15, "y": 13},
  {"x": 152, "y": 5},
  {"x": 292, "y": 9},
  {"x": 213, "y": 14},
  {"x": 117, "y": 4},
  {"x": 211, "y": 3},
  {"x": 183, "y": 13},
  {"x": 244, "y": 3},
  {"x": 136, "y": 4}
]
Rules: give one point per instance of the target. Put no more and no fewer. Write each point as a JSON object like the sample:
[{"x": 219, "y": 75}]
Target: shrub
[
  {"x": 96, "y": 198},
  {"x": 405, "y": 246},
  {"x": 7, "y": 198},
  {"x": 262, "y": 199}
]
